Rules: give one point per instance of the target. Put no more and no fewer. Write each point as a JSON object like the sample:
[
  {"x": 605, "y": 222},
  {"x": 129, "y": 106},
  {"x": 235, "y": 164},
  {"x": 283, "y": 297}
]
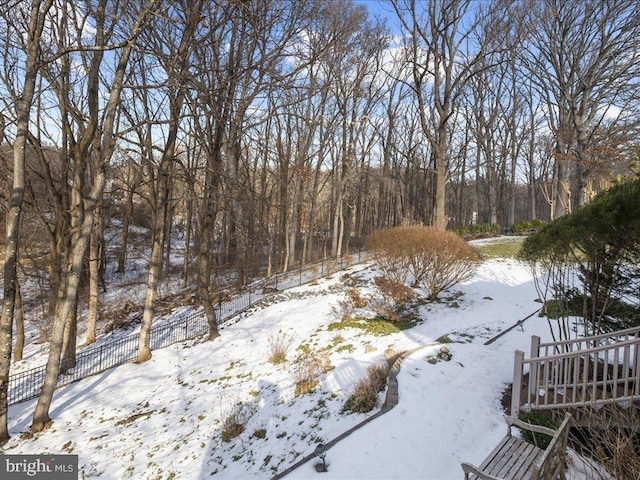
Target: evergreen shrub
[
  {"x": 525, "y": 227},
  {"x": 588, "y": 261},
  {"x": 477, "y": 230},
  {"x": 537, "y": 418}
]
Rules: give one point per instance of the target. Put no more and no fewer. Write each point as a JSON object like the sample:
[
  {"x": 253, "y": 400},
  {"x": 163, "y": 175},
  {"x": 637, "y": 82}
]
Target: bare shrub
[
  {"x": 279, "y": 346},
  {"x": 389, "y": 255},
  {"x": 308, "y": 368},
  {"x": 365, "y": 394},
  {"x": 397, "y": 292},
  {"x": 394, "y": 295},
  {"x": 435, "y": 259},
  {"x": 353, "y": 294},
  {"x": 313, "y": 269},
  {"x": 353, "y": 300},
  {"x": 235, "y": 421},
  {"x": 385, "y": 309},
  {"x": 611, "y": 437},
  {"x": 331, "y": 267}
]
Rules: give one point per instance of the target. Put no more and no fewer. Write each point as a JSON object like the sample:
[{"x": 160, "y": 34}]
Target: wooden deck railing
[
  {"x": 539, "y": 349},
  {"x": 589, "y": 371}
]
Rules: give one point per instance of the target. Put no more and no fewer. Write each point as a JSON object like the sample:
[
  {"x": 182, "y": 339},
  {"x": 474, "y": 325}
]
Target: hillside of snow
[{"x": 163, "y": 419}]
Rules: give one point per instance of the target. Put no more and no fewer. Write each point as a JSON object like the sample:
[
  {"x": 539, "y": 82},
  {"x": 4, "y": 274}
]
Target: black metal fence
[{"x": 27, "y": 385}]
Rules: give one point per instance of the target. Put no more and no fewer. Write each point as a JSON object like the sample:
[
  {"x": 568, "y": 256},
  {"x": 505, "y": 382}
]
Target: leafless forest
[{"x": 266, "y": 134}]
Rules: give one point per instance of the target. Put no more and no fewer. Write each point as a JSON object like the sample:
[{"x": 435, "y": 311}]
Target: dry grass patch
[
  {"x": 279, "y": 346},
  {"x": 365, "y": 394},
  {"x": 308, "y": 368},
  {"x": 235, "y": 421},
  {"x": 611, "y": 437}
]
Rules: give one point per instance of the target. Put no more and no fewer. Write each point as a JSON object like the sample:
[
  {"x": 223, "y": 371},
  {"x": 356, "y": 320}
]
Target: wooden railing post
[
  {"x": 516, "y": 388},
  {"x": 533, "y": 366},
  {"x": 535, "y": 346}
]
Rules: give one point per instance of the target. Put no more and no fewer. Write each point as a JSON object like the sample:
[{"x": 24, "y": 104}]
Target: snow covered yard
[{"x": 163, "y": 419}]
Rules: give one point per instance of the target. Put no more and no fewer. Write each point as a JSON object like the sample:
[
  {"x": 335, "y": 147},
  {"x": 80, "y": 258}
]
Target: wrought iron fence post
[{"x": 100, "y": 361}]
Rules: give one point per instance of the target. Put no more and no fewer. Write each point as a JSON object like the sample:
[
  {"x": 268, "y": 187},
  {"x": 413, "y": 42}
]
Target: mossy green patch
[
  {"x": 345, "y": 348},
  {"x": 374, "y": 326},
  {"x": 501, "y": 249}
]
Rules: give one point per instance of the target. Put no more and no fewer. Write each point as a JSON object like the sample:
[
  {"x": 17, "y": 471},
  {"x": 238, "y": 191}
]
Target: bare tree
[
  {"x": 100, "y": 136},
  {"x": 176, "y": 64},
  {"x": 36, "y": 18},
  {"x": 584, "y": 59},
  {"x": 439, "y": 56},
  {"x": 96, "y": 253}
]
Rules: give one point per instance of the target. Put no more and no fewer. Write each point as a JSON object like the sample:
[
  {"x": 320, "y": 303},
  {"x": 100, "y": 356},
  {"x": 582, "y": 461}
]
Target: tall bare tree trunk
[
  {"x": 124, "y": 241},
  {"x": 206, "y": 236},
  {"x": 95, "y": 257},
  {"x": 104, "y": 142},
  {"x": 155, "y": 263},
  {"x": 66, "y": 306},
  {"x": 19, "y": 321},
  {"x": 440, "y": 169},
  {"x": 37, "y": 14},
  {"x": 177, "y": 72},
  {"x": 563, "y": 169}
]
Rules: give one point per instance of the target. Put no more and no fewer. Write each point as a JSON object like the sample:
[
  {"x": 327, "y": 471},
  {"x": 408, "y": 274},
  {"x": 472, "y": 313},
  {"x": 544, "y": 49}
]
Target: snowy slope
[{"x": 162, "y": 419}]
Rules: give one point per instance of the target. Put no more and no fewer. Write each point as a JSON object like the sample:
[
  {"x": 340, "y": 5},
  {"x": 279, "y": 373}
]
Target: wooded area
[{"x": 272, "y": 133}]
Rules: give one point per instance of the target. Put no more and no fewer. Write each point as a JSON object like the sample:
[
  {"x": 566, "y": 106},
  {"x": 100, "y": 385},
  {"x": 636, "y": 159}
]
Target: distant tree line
[{"x": 270, "y": 133}]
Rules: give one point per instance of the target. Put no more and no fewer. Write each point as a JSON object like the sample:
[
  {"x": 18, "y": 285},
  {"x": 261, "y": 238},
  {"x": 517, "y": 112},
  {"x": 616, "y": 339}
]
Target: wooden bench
[{"x": 516, "y": 459}]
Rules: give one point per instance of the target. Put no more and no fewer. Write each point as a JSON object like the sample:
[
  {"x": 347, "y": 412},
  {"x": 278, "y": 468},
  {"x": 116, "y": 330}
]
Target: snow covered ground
[{"x": 163, "y": 419}]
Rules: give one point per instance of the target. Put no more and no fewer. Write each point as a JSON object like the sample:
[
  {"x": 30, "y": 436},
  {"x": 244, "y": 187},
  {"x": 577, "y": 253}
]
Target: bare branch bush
[
  {"x": 393, "y": 295},
  {"x": 313, "y": 269},
  {"x": 352, "y": 301},
  {"x": 389, "y": 255},
  {"x": 394, "y": 291},
  {"x": 385, "y": 309},
  {"x": 43, "y": 324},
  {"x": 611, "y": 438},
  {"x": 353, "y": 294},
  {"x": 435, "y": 259}
]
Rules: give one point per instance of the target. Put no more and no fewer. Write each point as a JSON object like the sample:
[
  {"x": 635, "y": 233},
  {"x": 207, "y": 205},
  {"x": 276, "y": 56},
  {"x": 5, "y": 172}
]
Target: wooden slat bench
[{"x": 516, "y": 459}]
